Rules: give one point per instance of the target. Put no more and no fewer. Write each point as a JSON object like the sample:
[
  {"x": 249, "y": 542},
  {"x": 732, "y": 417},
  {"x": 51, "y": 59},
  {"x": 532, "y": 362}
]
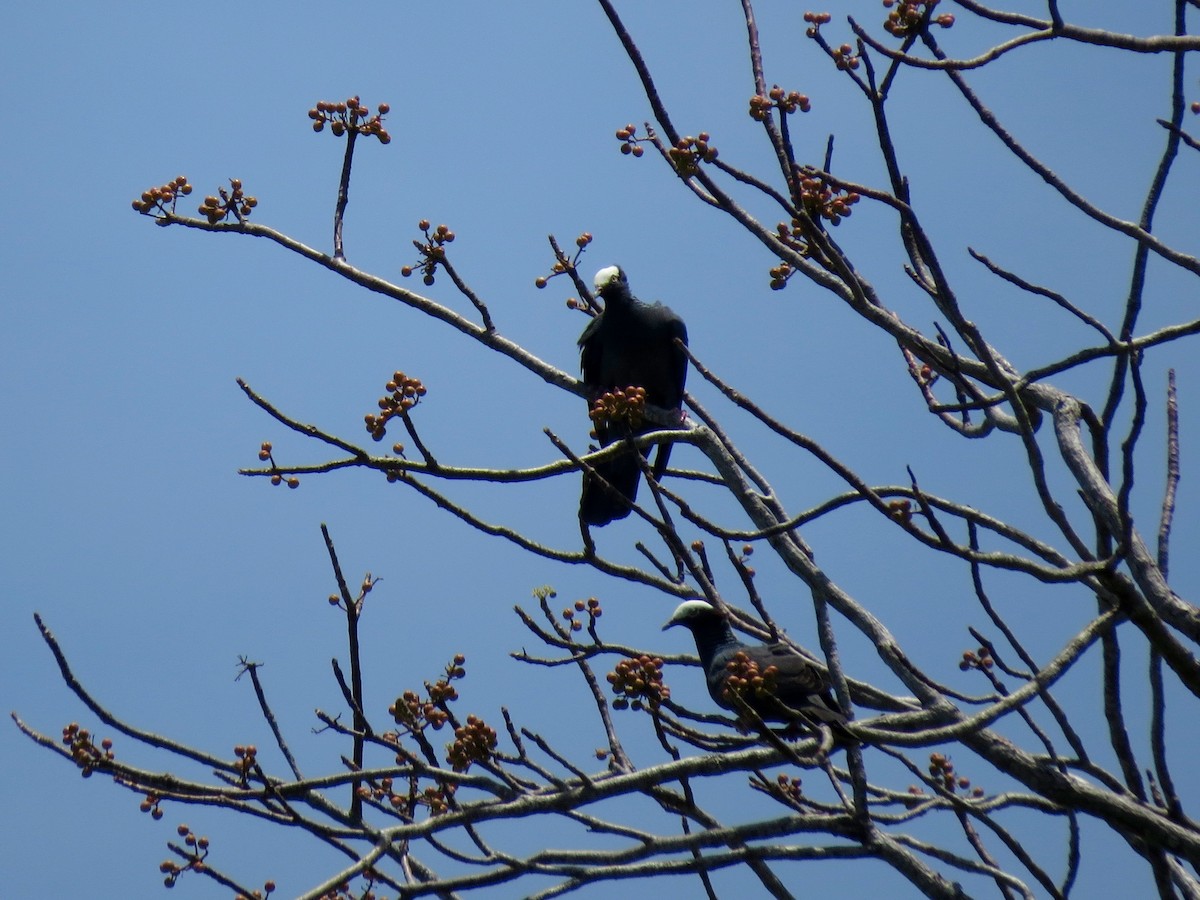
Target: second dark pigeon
[
  {"x": 798, "y": 684},
  {"x": 630, "y": 344}
]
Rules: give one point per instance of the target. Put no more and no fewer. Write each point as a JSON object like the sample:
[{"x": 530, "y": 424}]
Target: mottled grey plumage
[
  {"x": 799, "y": 685},
  {"x": 629, "y": 344}
]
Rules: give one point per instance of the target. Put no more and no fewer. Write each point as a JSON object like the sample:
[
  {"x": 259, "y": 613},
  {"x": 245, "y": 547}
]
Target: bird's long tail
[{"x": 599, "y": 506}]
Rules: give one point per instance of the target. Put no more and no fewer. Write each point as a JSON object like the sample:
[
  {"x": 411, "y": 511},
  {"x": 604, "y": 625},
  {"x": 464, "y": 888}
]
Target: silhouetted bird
[
  {"x": 798, "y": 684},
  {"x": 629, "y": 344}
]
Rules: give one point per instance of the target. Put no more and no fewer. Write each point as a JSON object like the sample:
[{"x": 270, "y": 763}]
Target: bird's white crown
[
  {"x": 689, "y": 609},
  {"x": 606, "y": 276}
]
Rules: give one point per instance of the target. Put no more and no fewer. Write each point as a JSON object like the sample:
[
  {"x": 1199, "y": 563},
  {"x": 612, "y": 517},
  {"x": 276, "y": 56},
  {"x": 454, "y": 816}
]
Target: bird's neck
[
  {"x": 711, "y": 641},
  {"x": 618, "y": 302}
]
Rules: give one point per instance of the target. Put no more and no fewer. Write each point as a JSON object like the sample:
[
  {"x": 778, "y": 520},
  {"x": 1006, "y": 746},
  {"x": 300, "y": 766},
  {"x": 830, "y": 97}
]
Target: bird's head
[
  {"x": 691, "y": 613},
  {"x": 608, "y": 277}
]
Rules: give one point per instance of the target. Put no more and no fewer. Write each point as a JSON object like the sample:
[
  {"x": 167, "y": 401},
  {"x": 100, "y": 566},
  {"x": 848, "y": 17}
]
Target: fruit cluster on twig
[
  {"x": 266, "y": 454},
  {"x": 350, "y": 115},
  {"x": 162, "y": 199},
  {"x": 436, "y": 798},
  {"x": 900, "y": 510},
  {"x": 624, "y": 406},
  {"x": 789, "y": 789},
  {"x": 591, "y": 606},
  {"x": 976, "y": 659},
  {"x": 196, "y": 854},
  {"x": 689, "y": 152},
  {"x": 233, "y": 202},
  {"x": 819, "y": 198},
  {"x": 630, "y": 145},
  {"x": 84, "y": 752},
  {"x": 782, "y": 272},
  {"x": 638, "y": 683},
  {"x": 432, "y": 250},
  {"x": 403, "y": 394},
  {"x": 786, "y": 103},
  {"x": 416, "y": 713},
  {"x": 563, "y": 265},
  {"x": 151, "y": 804},
  {"x": 845, "y": 58},
  {"x": 473, "y": 742},
  {"x": 164, "y": 196},
  {"x": 942, "y": 770},
  {"x": 748, "y": 681},
  {"x": 815, "y": 20},
  {"x": 909, "y": 16},
  {"x": 247, "y": 760}
]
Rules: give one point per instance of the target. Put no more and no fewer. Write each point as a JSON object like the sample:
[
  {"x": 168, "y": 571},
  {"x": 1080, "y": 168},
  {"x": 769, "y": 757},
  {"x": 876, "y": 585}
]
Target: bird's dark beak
[{"x": 670, "y": 623}]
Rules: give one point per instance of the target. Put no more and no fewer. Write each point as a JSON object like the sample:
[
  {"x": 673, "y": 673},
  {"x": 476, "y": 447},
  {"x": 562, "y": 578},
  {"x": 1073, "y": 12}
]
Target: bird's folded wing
[{"x": 794, "y": 671}]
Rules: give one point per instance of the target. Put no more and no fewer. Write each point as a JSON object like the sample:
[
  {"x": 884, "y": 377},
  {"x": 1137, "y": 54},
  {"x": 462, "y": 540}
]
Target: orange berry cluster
[
  {"x": 368, "y": 584},
  {"x": 416, "y": 714},
  {"x": 788, "y": 788},
  {"x": 629, "y": 143},
  {"x": 820, "y": 199},
  {"x": 978, "y": 659},
  {"x": 172, "y": 870},
  {"x": 150, "y": 804},
  {"x": 231, "y": 203},
  {"x": 744, "y": 560},
  {"x": 941, "y": 769},
  {"x": 591, "y": 607},
  {"x": 620, "y": 407},
  {"x": 158, "y": 198},
  {"x": 845, "y": 58},
  {"x": 436, "y": 798},
  {"x": 350, "y": 115},
  {"x": 900, "y": 510},
  {"x": 689, "y": 152},
  {"x": 781, "y": 273},
  {"x": 382, "y": 792},
  {"x": 268, "y": 889},
  {"x": 761, "y": 106},
  {"x": 409, "y": 709},
  {"x": 747, "y": 680},
  {"x": 907, "y": 16},
  {"x": 473, "y": 742},
  {"x": 247, "y": 758},
  {"x": 84, "y": 752},
  {"x": 265, "y": 454},
  {"x": 403, "y": 394},
  {"x": 195, "y": 862},
  {"x": 433, "y": 251},
  {"x": 638, "y": 683},
  {"x": 560, "y": 266},
  {"x": 815, "y": 20}
]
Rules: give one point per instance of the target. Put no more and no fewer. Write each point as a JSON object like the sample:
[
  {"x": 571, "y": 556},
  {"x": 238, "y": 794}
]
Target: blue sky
[{"x": 157, "y": 565}]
